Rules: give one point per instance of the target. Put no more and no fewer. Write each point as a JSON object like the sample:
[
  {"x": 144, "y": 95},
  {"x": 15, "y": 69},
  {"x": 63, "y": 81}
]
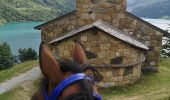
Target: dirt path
[{"x": 32, "y": 74}]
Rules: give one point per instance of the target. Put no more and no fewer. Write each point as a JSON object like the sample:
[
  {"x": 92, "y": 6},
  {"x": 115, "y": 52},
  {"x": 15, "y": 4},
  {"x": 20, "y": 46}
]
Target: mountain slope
[
  {"x": 37, "y": 10},
  {"x": 43, "y": 10},
  {"x": 154, "y": 9},
  {"x": 133, "y": 4}
]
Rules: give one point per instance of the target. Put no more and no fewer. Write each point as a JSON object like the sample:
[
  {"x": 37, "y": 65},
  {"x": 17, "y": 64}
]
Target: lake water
[
  {"x": 20, "y": 35},
  {"x": 23, "y": 35}
]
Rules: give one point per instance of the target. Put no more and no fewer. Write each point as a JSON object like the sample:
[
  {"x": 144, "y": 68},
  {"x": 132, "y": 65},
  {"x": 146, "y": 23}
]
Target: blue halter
[{"x": 71, "y": 79}]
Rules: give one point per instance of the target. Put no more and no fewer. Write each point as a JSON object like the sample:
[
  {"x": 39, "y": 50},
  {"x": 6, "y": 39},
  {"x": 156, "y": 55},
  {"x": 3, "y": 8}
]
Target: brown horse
[{"x": 67, "y": 80}]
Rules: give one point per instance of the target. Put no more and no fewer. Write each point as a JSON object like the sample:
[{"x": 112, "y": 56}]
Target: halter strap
[
  {"x": 97, "y": 77},
  {"x": 71, "y": 79}
]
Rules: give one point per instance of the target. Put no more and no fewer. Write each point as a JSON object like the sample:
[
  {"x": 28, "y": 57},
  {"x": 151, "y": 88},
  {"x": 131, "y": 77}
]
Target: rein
[
  {"x": 97, "y": 76},
  {"x": 66, "y": 82}
]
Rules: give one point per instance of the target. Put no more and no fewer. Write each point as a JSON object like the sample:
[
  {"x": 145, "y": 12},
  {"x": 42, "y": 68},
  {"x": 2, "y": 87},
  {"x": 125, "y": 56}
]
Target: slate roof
[
  {"x": 165, "y": 33},
  {"x": 55, "y": 19},
  {"x": 106, "y": 28}
]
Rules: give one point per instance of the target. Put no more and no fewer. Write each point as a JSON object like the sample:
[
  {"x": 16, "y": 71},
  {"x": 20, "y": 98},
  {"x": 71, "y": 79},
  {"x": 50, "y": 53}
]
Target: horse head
[{"x": 66, "y": 79}]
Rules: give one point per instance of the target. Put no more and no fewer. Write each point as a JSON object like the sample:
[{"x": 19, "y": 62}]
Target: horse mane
[{"x": 68, "y": 65}]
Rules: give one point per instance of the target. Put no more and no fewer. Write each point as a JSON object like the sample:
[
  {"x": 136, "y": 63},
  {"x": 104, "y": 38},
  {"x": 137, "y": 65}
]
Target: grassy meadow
[
  {"x": 17, "y": 70},
  {"x": 151, "y": 86}
]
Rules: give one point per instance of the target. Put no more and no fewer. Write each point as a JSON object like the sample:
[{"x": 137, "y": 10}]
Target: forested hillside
[
  {"x": 33, "y": 10},
  {"x": 44, "y": 10}
]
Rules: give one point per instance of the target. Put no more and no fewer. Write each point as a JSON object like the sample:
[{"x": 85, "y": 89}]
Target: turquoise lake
[{"x": 20, "y": 35}]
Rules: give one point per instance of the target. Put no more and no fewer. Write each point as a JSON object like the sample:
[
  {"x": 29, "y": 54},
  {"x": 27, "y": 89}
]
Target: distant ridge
[{"x": 150, "y": 8}]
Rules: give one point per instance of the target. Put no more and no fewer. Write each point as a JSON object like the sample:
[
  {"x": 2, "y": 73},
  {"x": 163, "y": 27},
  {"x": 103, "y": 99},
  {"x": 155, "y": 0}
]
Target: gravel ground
[{"x": 32, "y": 74}]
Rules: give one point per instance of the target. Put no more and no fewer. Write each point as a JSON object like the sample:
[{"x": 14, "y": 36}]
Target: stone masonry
[
  {"x": 107, "y": 49},
  {"x": 119, "y": 62},
  {"x": 117, "y": 17}
]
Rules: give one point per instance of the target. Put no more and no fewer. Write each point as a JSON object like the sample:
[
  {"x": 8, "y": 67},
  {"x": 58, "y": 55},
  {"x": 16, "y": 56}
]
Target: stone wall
[
  {"x": 58, "y": 27},
  {"x": 145, "y": 33},
  {"x": 109, "y": 54},
  {"x": 113, "y": 12},
  {"x": 89, "y": 11},
  {"x": 103, "y": 49},
  {"x": 119, "y": 76}
]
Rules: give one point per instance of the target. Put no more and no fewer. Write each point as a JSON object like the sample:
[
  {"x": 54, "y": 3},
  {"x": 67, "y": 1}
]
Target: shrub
[
  {"x": 166, "y": 47},
  {"x": 6, "y": 57},
  {"x": 27, "y": 54}
]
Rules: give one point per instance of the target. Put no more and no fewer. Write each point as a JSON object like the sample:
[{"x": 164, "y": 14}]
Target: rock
[{"x": 83, "y": 38}]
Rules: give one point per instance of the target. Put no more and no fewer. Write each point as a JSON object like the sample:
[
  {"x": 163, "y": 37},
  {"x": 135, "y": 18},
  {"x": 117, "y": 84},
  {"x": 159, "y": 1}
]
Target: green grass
[
  {"x": 22, "y": 92},
  {"x": 151, "y": 86},
  {"x": 17, "y": 70},
  {"x": 9, "y": 95}
]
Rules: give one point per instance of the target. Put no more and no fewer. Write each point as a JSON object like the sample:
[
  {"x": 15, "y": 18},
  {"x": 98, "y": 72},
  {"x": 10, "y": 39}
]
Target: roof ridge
[
  {"x": 106, "y": 28},
  {"x": 57, "y": 18},
  {"x": 126, "y": 12},
  {"x": 107, "y": 24},
  {"x": 147, "y": 23}
]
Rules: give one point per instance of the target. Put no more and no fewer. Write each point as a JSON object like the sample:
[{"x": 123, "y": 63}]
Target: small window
[
  {"x": 128, "y": 70},
  {"x": 90, "y": 55},
  {"x": 94, "y": 1},
  {"x": 117, "y": 60}
]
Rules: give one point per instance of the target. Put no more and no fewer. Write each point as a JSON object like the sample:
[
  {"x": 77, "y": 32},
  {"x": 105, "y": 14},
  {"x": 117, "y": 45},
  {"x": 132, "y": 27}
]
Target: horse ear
[
  {"x": 79, "y": 55},
  {"x": 48, "y": 65}
]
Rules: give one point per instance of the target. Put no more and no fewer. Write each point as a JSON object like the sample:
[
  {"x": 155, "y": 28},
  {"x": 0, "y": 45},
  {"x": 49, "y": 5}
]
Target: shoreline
[
  {"x": 2, "y": 22},
  {"x": 20, "y": 35}
]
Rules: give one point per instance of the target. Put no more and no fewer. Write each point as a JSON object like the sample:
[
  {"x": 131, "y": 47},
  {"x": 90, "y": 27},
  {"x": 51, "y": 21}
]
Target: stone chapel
[{"x": 117, "y": 42}]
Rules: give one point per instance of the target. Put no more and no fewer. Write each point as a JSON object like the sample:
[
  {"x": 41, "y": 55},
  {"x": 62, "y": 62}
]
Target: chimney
[{"x": 89, "y": 11}]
